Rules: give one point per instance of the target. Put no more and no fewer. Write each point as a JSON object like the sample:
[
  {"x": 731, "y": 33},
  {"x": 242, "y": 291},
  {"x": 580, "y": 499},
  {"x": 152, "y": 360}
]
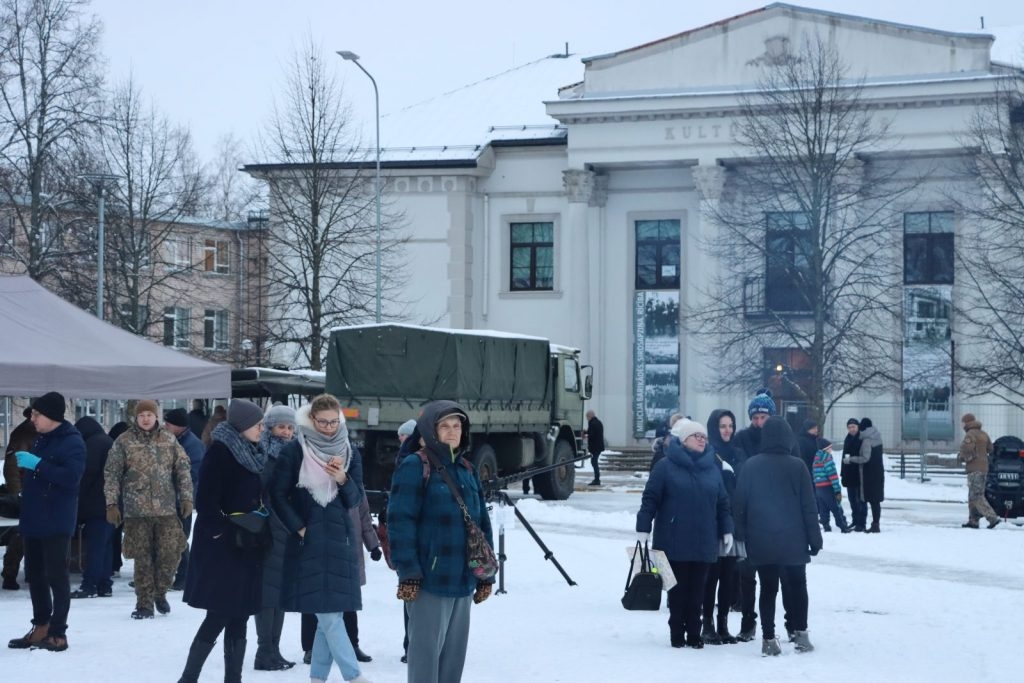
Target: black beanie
[
  {"x": 243, "y": 414},
  {"x": 853, "y": 421},
  {"x": 865, "y": 423},
  {"x": 177, "y": 417},
  {"x": 51, "y": 405}
]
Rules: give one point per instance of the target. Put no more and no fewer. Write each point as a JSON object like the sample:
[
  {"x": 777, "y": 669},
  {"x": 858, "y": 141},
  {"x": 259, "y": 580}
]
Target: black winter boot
[
  {"x": 234, "y": 654},
  {"x": 724, "y": 636},
  {"x": 873, "y": 529},
  {"x": 708, "y": 633},
  {"x": 197, "y": 655}
]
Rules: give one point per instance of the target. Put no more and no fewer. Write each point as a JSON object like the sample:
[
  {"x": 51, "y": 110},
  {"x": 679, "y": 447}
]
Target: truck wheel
[
  {"x": 558, "y": 484},
  {"x": 486, "y": 463}
]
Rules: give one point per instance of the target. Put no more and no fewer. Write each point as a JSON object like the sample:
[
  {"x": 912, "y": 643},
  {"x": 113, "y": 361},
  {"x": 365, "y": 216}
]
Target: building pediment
[{"x": 731, "y": 54}]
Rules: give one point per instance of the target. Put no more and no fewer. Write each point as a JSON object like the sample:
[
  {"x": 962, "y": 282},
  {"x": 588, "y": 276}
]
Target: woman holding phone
[{"x": 317, "y": 480}]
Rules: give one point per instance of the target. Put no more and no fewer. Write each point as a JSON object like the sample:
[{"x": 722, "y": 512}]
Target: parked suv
[{"x": 1005, "y": 485}]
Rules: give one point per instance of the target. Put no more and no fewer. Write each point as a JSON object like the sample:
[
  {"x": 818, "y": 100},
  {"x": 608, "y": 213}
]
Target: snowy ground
[{"x": 923, "y": 601}]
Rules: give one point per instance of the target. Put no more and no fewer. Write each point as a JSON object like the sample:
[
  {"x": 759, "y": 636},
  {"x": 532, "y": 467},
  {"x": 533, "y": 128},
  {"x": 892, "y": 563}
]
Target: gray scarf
[
  {"x": 272, "y": 445},
  {"x": 322, "y": 447},
  {"x": 246, "y": 453}
]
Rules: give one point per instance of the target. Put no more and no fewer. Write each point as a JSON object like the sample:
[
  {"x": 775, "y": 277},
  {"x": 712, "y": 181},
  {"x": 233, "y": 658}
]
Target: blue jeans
[
  {"x": 331, "y": 644},
  {"x": 98, "y": 556}
]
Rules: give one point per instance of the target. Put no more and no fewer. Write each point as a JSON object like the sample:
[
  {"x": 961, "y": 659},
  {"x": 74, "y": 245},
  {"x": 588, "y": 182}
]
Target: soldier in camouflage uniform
[
  {"x": 148, "y": 472},
  {"x": 974, "y": 450}
]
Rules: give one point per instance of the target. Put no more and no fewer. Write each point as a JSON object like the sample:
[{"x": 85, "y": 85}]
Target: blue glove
[{"x": 26, "y": 460}]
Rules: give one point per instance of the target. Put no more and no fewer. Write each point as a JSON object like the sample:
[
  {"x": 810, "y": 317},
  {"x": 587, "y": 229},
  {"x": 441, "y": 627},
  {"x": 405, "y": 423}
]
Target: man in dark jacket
[
  {"x": 807, "y": 442},
  {"x": 872, "y": 471},
  {"x": 92, "y": 513},
  {"x": 197, "y": 418},
  {"x": 777, "y": 517},
  {"x": 176, "y": 422},
  {"x": 850, "y": 476},
  {"x": 49, "y": 501},
  {"x": 428, "y": 545},
  {"x": 595, "y": 444},
  {"x": 22, "y": 438}
]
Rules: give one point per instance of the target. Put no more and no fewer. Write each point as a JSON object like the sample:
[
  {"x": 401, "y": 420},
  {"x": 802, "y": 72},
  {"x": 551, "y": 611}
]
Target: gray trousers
[{"x": 438, "y": 637}]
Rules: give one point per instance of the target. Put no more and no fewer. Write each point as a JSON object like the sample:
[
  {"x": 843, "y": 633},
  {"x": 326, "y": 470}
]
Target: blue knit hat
[
  {"x": 279, "y": 414},
  {"x": 762, "y": 403}
]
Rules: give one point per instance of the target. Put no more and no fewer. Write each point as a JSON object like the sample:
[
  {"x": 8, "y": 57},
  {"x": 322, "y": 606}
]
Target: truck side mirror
[{"x": 588, "y": 380}]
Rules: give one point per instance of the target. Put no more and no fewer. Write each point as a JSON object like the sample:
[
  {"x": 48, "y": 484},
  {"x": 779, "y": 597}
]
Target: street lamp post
[
  {"x": 99, "y": 180},
  {"x": 354, "y": 58}
]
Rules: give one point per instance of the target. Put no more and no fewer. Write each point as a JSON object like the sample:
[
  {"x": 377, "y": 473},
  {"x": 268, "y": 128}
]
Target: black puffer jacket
[
  {"x": 91, "y": 503},
  {"x": 774, "y": 504}
]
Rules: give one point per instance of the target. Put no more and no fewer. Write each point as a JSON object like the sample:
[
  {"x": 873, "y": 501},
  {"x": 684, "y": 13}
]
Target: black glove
[
  {"x": 814, "y": 551},
  {"x": 376, "y": 554},
  {"x": 409, "y": 590},
  {"x": 483, "y": 591}
]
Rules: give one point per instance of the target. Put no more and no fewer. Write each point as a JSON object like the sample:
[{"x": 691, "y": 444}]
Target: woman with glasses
[
  {"x": 317, "y": 481},
  {"x": 222, "y": 578},
  {"x": 687, "y": 504}
]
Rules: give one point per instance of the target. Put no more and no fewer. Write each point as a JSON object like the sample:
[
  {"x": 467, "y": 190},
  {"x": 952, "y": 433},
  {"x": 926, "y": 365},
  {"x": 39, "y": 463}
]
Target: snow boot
[
  {"x": 747, "y": 635},
  {"x": 993, "y": 523},
  {"x": 234, "y": 654},
  {"x": 874, "y": 528},
  {"x": 708, "y": 634},
  {"x": 770, "y": 647},
  {"x": 802, "y": 642},
  {"x": 970, "y": 525},
  {"x": 724, "y": 637},
  {"x": 268, "y": 656},
  {"x": 677, "y": 638},
  {"x": 197, "y": 655},
  {"x": 33, "y": 637},
  {"x": 694, "y": 641}
]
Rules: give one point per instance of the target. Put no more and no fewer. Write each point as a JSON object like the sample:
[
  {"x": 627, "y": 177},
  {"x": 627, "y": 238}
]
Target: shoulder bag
[
  {"x": 643, "y": 592},
  {"x": 479, "y": 556},
  {"x": 250, "y": 530}
]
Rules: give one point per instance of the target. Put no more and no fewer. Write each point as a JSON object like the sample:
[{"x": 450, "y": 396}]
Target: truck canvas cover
[{"x": 422, "y": 363}]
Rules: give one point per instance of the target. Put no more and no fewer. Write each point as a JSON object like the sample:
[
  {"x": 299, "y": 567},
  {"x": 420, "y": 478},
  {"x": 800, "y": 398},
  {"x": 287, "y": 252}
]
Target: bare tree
[
  {"x": 50, "y": 102},
  {"x": 159, "y": 182},
  {"x": 321, "y": 242},
  {"x": 231, "y": 195},
  {"x": 805, "y": 281},
  {"x": 990, "y": 298}
]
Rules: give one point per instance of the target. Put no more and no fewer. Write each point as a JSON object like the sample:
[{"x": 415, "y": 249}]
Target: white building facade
[{"x": 589, "y": 232}]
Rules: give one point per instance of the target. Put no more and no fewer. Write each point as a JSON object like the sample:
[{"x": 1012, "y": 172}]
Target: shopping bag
[
  {"x": 643, "y": 591},
  {"x": 660, "y": 562}
]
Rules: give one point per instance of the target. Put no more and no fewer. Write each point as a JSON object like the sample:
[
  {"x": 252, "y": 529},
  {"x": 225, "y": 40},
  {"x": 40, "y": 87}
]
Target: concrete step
[{"x": 627, "y": 459}]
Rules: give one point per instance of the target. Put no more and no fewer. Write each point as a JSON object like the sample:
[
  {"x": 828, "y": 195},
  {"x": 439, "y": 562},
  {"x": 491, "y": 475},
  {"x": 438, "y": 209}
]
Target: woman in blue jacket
[
  {"x": 317, "y": 480},
  {"x": 686, "y": 501}
]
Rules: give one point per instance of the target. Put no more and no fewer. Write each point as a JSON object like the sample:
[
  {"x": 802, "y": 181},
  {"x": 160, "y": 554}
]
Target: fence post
[{"x": 903, "y": 464}]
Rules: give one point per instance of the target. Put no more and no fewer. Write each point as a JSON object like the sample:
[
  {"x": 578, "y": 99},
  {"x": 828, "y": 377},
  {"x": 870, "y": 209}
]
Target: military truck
[{"x": 524, "y": 395}]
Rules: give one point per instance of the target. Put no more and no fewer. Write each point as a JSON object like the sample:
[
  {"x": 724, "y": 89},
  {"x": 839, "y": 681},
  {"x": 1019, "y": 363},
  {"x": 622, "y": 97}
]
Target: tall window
[
  {"x": 788, "y": 276},
  {"x": 176, "y": 328},
  {"x": 134, "y": 323},
  {"x": 928, "y": 248},
  {"x": 216, "y": 256},
  {"x": 657, "y": 254},
  {"x": 533, "y": 257},
  {"x": 215, "y": 329},
  {"x": 179, "y": 253},
  {"x": 7, "y": 237}
]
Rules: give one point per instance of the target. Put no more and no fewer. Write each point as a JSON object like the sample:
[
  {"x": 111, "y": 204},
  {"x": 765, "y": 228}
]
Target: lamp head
[{"x": 348, "y": 55}]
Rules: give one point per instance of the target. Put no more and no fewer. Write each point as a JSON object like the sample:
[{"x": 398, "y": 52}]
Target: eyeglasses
[
  {"x": 327, "y": 423},
  {"x": 702, "y": 437}
]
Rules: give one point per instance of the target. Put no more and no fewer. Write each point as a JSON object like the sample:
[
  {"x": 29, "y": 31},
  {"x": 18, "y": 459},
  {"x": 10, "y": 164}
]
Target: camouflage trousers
[
  {"x": 155, "y": 543},
  {"x": 977, "y": 504}
]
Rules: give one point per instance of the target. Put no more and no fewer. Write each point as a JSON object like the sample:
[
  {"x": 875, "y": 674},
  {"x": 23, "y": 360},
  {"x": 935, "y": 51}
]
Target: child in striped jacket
[{"x": 827, "y": 490}]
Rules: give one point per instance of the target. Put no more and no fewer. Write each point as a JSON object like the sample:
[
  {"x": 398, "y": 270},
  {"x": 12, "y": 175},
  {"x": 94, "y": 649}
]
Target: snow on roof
[{"x": 458, "y": 124}]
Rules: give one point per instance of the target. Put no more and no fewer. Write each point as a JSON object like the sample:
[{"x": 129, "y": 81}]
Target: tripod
[{"x": 502, "y": 497}]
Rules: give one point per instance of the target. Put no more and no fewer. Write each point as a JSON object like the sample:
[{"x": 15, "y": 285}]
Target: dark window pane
[
  {"x": 942, "y": 221},
  {"x": 942, "y": 259},
  {"x": 915, "y": 222},
  {"x": 522, "y": 232},
  {"x": 544, "y": 232},
  {"x": 647, "y": 230}
]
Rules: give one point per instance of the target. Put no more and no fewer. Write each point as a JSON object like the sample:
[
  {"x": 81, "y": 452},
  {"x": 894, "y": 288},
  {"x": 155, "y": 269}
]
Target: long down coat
[
  {"x": 321, "y": 569},
  {"x": 221, "y": 577}
]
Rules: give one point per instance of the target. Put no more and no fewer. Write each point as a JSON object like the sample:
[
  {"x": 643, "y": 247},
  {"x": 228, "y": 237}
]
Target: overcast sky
[{"x": 216, "y": 64}]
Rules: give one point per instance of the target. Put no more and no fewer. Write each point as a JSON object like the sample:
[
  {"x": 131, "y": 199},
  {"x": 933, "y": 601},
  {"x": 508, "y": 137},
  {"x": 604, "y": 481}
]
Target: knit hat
[
  {"x": 407, "y": 428},
  {"x": 968, "y": 417},
  {"x": 761, "y": 403},
  {"x": 177, "y": 417},
  {"x": 146, "y": 406},
  {"x": 865, "y": 423},
  {"x": 243, "y": 414},
  {"x": 50, "y": 404},
  {"x": 686, "y": 428},
  {"x": 853, "y": 421},
  {"x": 279, "y": 414}
]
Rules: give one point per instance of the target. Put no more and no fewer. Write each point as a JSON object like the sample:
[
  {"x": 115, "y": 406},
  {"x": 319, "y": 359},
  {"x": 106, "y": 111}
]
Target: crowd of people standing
[
  {"x": 733, "y": 508},
  {"x": 281, "y": 521}
]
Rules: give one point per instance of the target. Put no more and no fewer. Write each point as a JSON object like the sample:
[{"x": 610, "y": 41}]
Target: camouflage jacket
[{"x": 148, "y": 473}]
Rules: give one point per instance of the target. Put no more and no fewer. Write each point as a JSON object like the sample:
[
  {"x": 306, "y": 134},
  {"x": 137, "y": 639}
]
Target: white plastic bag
[{"x": 660, "y": 562}]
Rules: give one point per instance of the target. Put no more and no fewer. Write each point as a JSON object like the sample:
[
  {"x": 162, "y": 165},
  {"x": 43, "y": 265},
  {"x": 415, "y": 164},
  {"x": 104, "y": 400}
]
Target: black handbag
[
  {"x": 643, "y": 592},
  {"x": 250, "y": 530}
]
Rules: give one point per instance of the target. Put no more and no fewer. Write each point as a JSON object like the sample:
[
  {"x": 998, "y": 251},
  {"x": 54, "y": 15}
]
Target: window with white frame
[
  {"x": 215, "y": 329},
  {"x": 176, "y": 327},
  {"x": 179, "y": 253},
  {"x": 134, "y": 321},
  {"x": 216, "y": 254}
]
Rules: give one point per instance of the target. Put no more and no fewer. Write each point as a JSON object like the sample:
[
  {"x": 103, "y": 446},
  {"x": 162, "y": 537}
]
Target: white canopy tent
[{"x": 49, "y": 344}]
